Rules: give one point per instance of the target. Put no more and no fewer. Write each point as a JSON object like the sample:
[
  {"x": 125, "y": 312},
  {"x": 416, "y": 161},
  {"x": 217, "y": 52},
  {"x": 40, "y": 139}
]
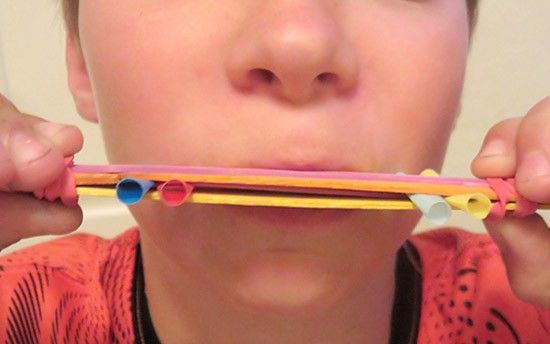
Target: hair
[{"x": 70, "y": 13}]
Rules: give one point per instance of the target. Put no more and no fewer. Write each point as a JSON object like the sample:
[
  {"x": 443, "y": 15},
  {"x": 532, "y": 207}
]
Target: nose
[{"x": 296, "y": 52}]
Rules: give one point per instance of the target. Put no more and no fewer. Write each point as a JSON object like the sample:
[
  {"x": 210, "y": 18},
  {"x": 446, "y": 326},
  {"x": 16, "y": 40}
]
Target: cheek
[
  {"x": 412, "y": 78},
  {"x": 147, "y": 77},
  {"x": 424, "y": 90}
]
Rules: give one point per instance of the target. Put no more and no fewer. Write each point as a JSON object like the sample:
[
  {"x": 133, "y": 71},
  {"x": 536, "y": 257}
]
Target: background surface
[{"x": 508, "y": 72}]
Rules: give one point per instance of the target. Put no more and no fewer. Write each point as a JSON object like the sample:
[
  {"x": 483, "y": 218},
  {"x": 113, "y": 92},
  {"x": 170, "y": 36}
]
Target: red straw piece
[
  {"x": 505, "y": 189},
  {"x": 174, "y": 192}
]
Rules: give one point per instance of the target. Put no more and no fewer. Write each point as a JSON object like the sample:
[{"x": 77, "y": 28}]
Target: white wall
[
  {"x": 509, "y": 71},
  {"x": 3, "y": 75}
]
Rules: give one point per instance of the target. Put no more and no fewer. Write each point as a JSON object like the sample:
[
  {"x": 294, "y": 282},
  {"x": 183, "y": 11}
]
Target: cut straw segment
[
  {"x": 475, "y": 205},
  {"x": 433, "y": 207},
  {"x": 130, "y": 191},
  {"x": 174, "y": 192}
]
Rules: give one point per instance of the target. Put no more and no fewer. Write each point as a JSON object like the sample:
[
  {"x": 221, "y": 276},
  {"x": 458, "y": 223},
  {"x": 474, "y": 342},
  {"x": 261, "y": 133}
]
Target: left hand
[{"x": 520, "y": 148}]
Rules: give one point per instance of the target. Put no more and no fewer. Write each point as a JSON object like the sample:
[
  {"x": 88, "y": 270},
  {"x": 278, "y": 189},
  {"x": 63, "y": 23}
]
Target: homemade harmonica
[{"x": 176, "y": 185}]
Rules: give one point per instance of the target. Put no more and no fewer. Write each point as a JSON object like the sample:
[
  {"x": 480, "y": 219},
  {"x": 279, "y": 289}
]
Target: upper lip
[{"x": 329, "y": 165}]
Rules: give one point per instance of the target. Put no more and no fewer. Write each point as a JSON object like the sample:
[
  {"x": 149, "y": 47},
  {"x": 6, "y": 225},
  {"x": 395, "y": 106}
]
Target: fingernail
[
  {"x": 49, "y": 129},
  {"x": 493, "y": 148},
  {"x": 26, "y": 148},
  {"x": 534, "y": 164}
]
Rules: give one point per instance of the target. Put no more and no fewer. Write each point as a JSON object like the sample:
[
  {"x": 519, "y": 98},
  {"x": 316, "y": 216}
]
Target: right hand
[{"x": 32, "y": 151}]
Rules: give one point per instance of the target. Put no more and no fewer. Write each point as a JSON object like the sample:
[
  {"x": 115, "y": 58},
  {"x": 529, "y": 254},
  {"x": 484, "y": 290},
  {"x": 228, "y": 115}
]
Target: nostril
[
  {"x": 327, "y": 77},
  {"x": 262, "y": 75}
]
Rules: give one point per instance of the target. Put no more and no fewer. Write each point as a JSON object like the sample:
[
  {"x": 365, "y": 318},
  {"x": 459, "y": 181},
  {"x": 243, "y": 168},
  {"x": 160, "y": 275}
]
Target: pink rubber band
[
  {"x": 505, "y": 189},
  {"x": 524, "y": 207},
  {"x": 63, "y": 188}
]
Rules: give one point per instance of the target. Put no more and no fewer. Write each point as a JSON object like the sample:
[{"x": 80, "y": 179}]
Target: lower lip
[{"x": 290, "y": 218}]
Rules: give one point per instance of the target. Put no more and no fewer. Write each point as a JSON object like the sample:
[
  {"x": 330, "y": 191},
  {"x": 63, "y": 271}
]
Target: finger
[
  {"x": 7, "y": 170},
  {"x": 5, "y": 103},
  {"x": 36, "y": 162},
  {"x": 533, "y": 154},
  {"x": 525, "y": 247},
  {"x": 67, "y": 139},
  {"x": 24, "y": 216},
  {"x": 497, "y": 156},
  {"x": 35, "y": 149}
]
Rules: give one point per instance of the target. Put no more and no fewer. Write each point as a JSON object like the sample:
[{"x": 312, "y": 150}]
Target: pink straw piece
[{"x": 174, "y": 192}]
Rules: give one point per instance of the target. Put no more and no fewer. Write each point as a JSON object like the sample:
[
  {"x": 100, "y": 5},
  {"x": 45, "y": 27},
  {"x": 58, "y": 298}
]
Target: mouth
[
  {"x": 328, "y": 165},
  {"x": 287, "y": 218}
]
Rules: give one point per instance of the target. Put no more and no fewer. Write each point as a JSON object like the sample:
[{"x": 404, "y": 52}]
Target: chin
[{"x": 285, "y": 282}]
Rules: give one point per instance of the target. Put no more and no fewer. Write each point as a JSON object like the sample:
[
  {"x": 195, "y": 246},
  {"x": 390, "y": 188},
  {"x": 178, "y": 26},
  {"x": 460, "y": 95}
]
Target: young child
[{"x": 369, "y": 86}]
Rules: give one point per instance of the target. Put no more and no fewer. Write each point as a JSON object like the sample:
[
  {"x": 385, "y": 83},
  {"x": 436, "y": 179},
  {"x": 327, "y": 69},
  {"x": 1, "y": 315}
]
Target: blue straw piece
[{"x": 130, "y": 191}]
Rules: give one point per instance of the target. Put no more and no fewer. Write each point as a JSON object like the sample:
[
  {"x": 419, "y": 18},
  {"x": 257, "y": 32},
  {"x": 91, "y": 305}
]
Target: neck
[{"x": 192, "y": 312}]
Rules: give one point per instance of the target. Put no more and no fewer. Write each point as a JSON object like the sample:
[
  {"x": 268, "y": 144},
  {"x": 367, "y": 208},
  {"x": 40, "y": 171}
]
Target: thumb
[{"x": 524, "y": 244}]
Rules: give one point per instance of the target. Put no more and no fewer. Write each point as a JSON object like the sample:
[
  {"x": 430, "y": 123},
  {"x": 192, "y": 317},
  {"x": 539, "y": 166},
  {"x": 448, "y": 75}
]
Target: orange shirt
[{"x": 80, "y": 289}]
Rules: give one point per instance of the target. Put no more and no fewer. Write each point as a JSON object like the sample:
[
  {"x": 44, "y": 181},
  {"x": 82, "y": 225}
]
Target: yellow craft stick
[
  {"x": 268, "y": 199},
  {"x": 286, "y": 200}
]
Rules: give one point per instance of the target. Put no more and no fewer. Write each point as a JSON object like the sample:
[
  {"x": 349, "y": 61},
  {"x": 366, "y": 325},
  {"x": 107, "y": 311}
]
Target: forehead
[{"x": 70, "y": 10}]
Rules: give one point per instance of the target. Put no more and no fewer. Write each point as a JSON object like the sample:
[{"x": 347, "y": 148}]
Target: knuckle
[
  {"x": 542, "y": 108},
  {"x": 7, "y": 175},
  {"x": 505, "y": 130},
  {"x": 11, "y": 117},
  {"x": 536, "y": 123},
  {"x": 545, "y": 103},
  {"x": 7, "y": 127},
  {"x": 4, "y": 101},
  {"x": 531, "y": 289},
  {"x": 6, "y": 106},
  {"x": 506, "y": 125}
]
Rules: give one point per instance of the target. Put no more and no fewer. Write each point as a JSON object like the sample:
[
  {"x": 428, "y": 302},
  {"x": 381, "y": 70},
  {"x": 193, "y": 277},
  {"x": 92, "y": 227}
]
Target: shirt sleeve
[
  {"x": 49, "y": 293},
  {"x": 467, "y": 296}
]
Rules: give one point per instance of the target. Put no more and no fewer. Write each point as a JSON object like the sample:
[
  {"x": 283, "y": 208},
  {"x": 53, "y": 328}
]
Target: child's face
[{"x": 175, "y": 83}]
